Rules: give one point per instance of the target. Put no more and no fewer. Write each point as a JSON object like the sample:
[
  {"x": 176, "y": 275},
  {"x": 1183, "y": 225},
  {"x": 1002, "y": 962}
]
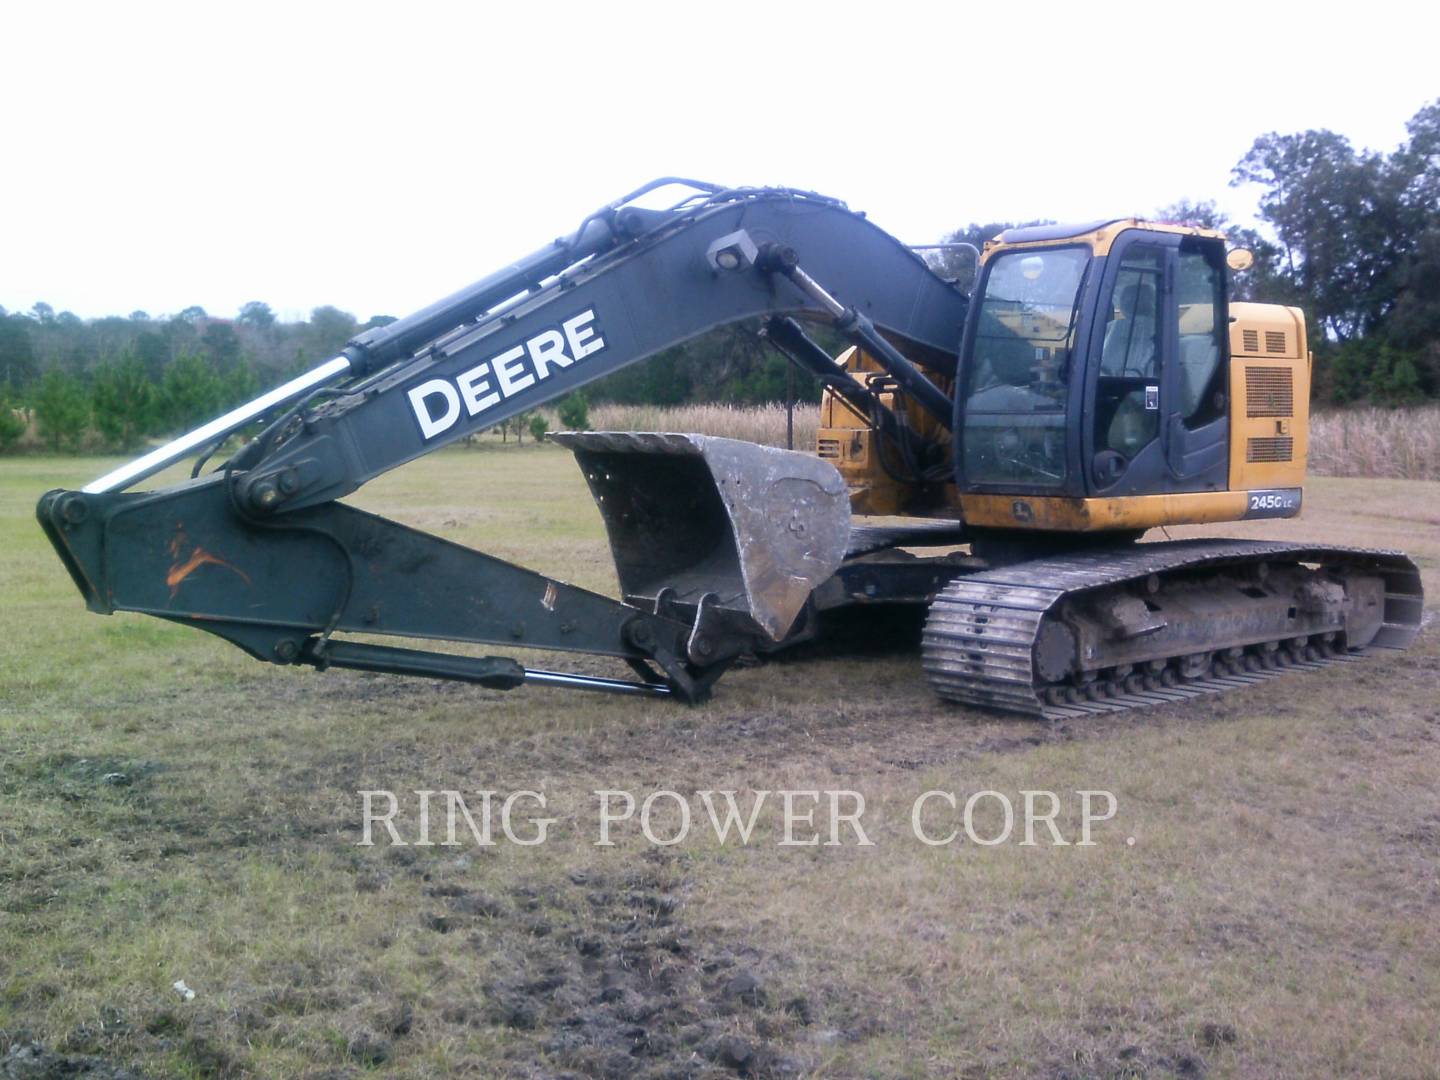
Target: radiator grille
[
  {"x": 1274, "y": 448},
  {"x": 1269, "y": 391},
  {"x": 1251, "y": 340},
  {"x": 1274, "y": 341},
  {"x": 829, "y": 448}
]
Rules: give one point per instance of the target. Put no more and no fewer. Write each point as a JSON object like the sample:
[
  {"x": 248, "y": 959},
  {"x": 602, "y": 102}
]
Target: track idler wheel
[{"x": 1054, "y": 651}]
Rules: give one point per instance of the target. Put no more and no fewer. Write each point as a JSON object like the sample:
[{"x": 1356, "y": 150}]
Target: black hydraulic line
[
  {"x": 612, "y": 224},
  {"x": 799, "y": 348},
  {"x": 925, "y": 393},
  {"x": 856, "y": 326},
  {"x": 911, "y": 471},
  {"x": 274, "y": 427},
  {"x": 379, "y": 346}
]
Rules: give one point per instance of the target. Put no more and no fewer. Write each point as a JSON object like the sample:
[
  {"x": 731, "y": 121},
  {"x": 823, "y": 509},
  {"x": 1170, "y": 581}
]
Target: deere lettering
[{"x": 438, "y": 402}]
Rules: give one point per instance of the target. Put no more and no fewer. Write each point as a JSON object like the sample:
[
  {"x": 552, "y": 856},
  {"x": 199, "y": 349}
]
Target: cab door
[
  {"x": 1198, "y": 419},
  {"x": 1156, "y": 421}
]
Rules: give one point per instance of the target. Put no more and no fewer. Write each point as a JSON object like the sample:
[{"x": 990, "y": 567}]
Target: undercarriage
[{"x": 1104, "y": 630}]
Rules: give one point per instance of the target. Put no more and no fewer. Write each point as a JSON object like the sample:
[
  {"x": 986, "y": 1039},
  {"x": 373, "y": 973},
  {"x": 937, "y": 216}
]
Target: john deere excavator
[{"x": 994, "y": 457}]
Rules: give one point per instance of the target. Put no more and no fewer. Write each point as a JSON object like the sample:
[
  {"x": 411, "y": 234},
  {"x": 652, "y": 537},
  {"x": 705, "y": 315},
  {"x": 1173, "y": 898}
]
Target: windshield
[
  {"x": 1022, "y": 340},
  {"x": 1019, "y": 370}
]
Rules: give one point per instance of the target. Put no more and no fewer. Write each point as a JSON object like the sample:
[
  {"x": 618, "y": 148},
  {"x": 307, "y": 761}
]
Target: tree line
[
  {"x": 118, "y": 380},
  {"x": 1350, "y": 235}
]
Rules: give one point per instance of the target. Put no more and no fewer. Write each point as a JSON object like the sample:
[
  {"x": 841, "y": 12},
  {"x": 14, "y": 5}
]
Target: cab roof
[
  {"x": 1030, "y": 234},
  {"x": 1097, "y": 234}
]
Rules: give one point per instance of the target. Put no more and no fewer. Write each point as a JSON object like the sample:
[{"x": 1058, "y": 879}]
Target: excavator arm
[
  {"x": 729, "y": 539},
  {"x": 660, "y": 279}
]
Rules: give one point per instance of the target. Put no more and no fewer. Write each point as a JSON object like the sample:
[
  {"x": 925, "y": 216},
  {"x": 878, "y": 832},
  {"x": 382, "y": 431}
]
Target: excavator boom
[{"x": 261, "y": 552}]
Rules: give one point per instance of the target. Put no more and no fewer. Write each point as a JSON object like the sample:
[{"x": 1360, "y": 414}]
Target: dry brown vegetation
[
  {"x": 753, "y": 423},
  {"x": 171, "y": 809},
  {"x": 1403, "y": 443},
  {"x": 1400, "y": 443}
]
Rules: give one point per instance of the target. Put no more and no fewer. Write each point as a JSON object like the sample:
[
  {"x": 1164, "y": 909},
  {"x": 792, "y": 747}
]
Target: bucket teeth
[{"x": 755, "y": 528}]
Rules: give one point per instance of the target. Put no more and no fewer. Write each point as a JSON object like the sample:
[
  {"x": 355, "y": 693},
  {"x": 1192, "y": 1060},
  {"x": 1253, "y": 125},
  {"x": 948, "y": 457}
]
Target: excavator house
[{"x": 993, "y": 458}]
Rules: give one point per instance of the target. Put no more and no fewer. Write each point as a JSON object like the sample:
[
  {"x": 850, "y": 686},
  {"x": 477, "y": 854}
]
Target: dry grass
[
  {"x": 753, "y": 423},
  {"x": 1400, "y": 443},
  {"x": 1277, "y": 914}
]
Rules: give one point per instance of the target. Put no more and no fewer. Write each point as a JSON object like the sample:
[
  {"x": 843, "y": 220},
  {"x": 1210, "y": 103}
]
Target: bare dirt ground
[{"x": 170, "y": 810}]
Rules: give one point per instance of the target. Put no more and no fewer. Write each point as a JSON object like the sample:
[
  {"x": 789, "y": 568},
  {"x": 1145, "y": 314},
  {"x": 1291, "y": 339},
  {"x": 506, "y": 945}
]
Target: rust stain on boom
[{"x": 184, "y": 566}]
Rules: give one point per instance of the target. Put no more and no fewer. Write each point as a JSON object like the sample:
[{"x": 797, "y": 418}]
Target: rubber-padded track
[{"x": 981, "y": 632}]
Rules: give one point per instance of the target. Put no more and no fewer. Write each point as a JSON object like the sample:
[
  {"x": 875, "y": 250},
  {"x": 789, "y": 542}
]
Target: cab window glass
[
  {"x": 1127, "y": 399},
  {"x": 1200, "y": 383},
  {"x": 1019, "y": 375},
  {"x": 1023, "y": 339},
  {"x": 1132, "y": 331}
]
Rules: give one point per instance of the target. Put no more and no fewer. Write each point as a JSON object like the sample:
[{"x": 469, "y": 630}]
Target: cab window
[
  {"x": 1019, "y": 374},
  {"x": 1127, "y": 404},
  {"x": 1201, "y": 381},
  {"x": 1132, "y": 330}
]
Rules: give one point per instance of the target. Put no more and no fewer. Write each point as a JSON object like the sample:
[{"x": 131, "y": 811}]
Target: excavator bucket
[{"x": 742, "y": 531}]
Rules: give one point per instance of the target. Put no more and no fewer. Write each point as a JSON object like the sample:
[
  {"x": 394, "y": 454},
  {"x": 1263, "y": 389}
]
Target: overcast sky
[{"x": 379, "y": 156}]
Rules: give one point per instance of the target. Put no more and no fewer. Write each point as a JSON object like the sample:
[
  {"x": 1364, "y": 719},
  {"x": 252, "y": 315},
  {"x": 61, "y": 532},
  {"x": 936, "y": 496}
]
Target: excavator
[{"x": 992, "y": 459}]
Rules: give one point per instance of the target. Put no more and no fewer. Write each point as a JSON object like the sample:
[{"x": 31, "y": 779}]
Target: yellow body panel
[
  {"x": 1269, "y": 396},
  {"x": 1062, "y": 514},
  {"x": 846, "y": 441}
]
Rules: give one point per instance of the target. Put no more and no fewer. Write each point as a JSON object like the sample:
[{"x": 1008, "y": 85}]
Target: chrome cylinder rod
[
  {"x": 595, "y": 682},
  {"x": 218, "y": 428}
]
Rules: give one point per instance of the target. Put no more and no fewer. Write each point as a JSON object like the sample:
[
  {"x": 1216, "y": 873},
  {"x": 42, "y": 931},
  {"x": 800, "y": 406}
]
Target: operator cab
[{"x": 1094, "y": 363}]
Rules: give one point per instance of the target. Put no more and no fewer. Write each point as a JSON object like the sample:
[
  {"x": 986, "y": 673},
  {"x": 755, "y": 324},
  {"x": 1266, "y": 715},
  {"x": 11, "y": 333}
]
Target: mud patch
[
  {"x": 1126, "y": 1061},
  {"x": 26, "y": 1060},
  {"x": 605, "y": 979}
]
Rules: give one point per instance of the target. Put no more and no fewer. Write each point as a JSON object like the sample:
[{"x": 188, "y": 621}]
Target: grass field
[{"x": 171, "y": 810}]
